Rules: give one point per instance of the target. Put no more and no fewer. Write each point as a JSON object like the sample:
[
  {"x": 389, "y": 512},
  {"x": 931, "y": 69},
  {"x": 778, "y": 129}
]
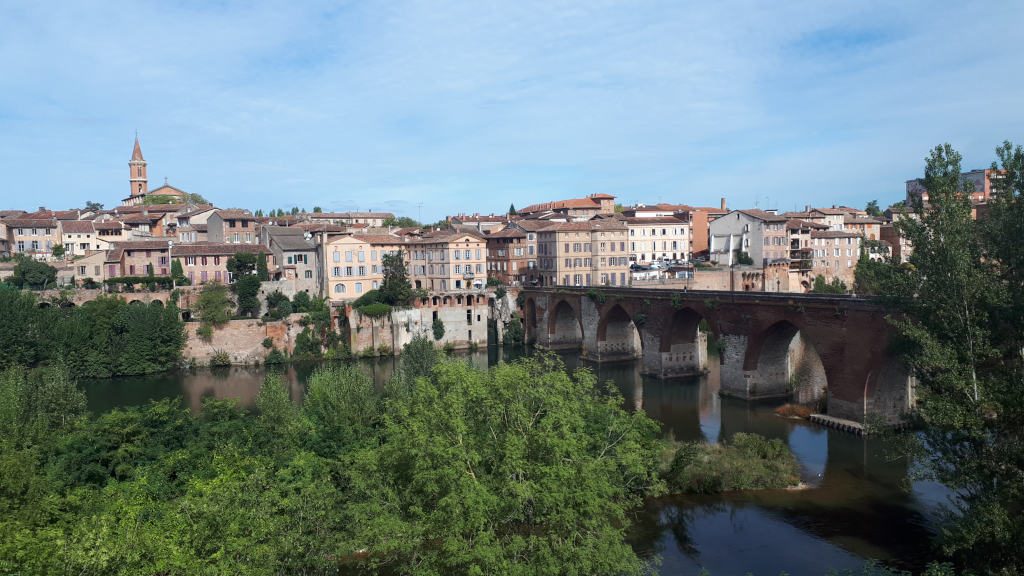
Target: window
[
  {"x": 348, "y": 256},
  {"x": 375, "y": 285},
  {"x": 337, "y": 256},
  {"x": 309, "y": 274},
  {"x": 190, "y": 260},
  {"x": 339, "y": 288},
  {"x": 359, "y": 287},
  {"x": 361, "y": 256},
  {"x": 362, "y": 270},
  {"x": 348, "y": 270}
]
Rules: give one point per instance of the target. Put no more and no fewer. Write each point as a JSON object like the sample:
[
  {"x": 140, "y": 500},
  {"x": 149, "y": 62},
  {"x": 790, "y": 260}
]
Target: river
[{"x": 859, "y": 504}]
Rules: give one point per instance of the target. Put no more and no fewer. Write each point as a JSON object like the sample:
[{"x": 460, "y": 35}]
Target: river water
[{"x": 859, "y": 505}]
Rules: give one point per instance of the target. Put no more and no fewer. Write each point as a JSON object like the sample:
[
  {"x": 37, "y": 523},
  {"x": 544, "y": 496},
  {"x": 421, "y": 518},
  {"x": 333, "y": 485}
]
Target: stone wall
[
  {"x": 465, "y": 326},
  {"x": 242, "y": 340}
]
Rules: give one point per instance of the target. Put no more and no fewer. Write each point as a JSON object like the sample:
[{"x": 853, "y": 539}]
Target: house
[
  {"x": 80, "y": 238},
  {"x": 573, "y": 208},
  {"x": 33, "y": 237},
  {"x": 447, "y": 260},
  {"x": 759, "y": 234},
  {"x": 592, "y": 253},
  {"x": 658, "y": 238},
  {"x": 353, "y": 263},
  {"x": 835, "y": 254},
  {"x": 232, "y": 226},
  {"x": 509, "y": 256},
  {"x": 294, "y": 258},
  {"x": 202, "y": 263},
  {"x": 139, "y": 258},
  {"x": 371, "y": 219}
]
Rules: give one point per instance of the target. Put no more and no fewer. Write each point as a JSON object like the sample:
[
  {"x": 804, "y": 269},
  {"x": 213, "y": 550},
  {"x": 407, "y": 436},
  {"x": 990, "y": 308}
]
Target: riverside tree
[{"x": 960, "y": 322}]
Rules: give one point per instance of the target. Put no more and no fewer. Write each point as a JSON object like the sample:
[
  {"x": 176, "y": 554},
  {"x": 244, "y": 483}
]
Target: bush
[
  {"x": 743, "y": 258},
  {"x": 220, "y": 358},
  {"x": 500, "y": 292},
  {"x": 375, "y": 310},
  {"x": 745, "y": 462},
  {"x": 371, "y": 297},
  {"x": 438, "y": 328},
  {"x": 278, "y": 305},
  {"x": 275, "y": 357},
  {"x": 596, "y": 296},
  {"x": 492, "y": 281},
  {"x": 268, "y": 343},
  {"x": 205, "y": 332},
  {"x": 301, "y": 302}
]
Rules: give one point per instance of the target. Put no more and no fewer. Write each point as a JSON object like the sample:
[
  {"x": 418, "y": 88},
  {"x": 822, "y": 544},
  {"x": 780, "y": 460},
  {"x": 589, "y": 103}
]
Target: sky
[{"x": 440, "y": 107}]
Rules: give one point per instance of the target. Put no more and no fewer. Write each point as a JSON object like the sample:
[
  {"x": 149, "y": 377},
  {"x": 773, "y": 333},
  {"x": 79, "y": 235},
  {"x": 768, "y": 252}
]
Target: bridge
[{"x": 827, "y": 349}]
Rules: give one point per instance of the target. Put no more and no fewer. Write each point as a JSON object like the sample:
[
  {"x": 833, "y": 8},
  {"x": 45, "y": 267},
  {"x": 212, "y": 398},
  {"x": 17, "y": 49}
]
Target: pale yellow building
[
  {"x": 592, "y": 253},
  {"x": 658, "y": 238}
]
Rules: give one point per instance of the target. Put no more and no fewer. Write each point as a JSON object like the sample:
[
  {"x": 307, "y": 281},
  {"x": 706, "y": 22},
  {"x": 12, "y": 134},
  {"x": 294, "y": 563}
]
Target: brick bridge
[{"x": 811, "y": 348}]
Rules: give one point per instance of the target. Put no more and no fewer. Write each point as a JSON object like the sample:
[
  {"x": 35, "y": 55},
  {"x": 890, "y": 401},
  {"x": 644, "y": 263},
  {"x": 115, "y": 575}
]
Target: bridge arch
[
  {"x": 781, "y": 361},
  {"x": 565, "y": 329},
  {"x": 684, "y": 344},
  {"x": 889, "y": 390},
  {"x": 618, "y": 337}
]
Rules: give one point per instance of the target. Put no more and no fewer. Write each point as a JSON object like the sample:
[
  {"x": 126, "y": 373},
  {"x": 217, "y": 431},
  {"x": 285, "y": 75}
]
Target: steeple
[
  {"x": 137, "y": 152},
  {"x": 137, "y": 171}
]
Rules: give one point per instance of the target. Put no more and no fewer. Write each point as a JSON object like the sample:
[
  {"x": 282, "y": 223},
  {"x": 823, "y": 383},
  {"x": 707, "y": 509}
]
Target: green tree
[
  {"x": 57, "y": 251},
  {"x": 872, "y": 209},
  {"x": 512, "y": 210},
  {"x": 960, "y": 332},
  {"x": 317, "y": 210},
  {"x": 242, "y": 263},
  {"x": 401, "y": 222},
  {"x": 213, "y": 305},
  {"x": 823, "y": 286},
  {"x": 91, "y": 206},
  {"x": 437, "y": 327},
  {"x": 29, "y": 273},
  {"x": 395, "y": 288},
  {"x": 477, "y": 467},
  {"x": 178, "y": 273},
  {"x": 278, "y": 305},
  {"x": 247, "y": 293},
  {"x": 261, "y": 268}
]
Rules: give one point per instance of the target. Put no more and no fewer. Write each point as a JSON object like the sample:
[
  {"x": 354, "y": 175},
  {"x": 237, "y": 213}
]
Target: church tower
[{"x": 137, "y": 171}]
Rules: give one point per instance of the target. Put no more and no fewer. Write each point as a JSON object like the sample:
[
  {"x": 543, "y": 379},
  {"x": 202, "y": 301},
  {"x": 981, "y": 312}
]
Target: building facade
[
  {"x": 591, "y": 253},
  {"x": 761, "y": 235},
  {"x": 659, "y": 238}
]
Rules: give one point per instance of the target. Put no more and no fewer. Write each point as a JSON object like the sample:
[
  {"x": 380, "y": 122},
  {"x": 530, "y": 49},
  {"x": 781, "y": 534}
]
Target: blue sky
[{"x": 469, "y": 106}]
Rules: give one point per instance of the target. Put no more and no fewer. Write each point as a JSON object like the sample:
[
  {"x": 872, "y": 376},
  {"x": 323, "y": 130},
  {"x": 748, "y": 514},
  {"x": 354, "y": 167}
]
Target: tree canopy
[
  {"x": 29, "y": 273},
  {"x": 521, "y": 469}
]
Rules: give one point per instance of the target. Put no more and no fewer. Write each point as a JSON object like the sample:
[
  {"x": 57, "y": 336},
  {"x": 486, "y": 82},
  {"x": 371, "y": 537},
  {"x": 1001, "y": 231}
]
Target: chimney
[{"x": 723, "y": 204}]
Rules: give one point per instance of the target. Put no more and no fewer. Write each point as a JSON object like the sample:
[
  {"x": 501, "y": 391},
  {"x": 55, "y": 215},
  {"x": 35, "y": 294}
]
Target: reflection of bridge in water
[{"x": 813, "y": 348}]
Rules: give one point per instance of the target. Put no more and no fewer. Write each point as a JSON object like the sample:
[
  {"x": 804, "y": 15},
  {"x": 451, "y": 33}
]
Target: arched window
[{"x": 339, "y": 288}]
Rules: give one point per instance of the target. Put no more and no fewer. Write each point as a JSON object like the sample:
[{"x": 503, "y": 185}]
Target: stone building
[
  {"x": 658, "y": 238},
  {"x": 592, "y": 253},
  {"x": 510, "y": 256},
  {"x": 835, "y": 255},
  {"x": 232, "y": 227},
  {"x": 574, "y": 208},
  {"x": 33, "y": 237},
  {"x": 202, "y": 263},
  {"x": 294, "y": 258}
]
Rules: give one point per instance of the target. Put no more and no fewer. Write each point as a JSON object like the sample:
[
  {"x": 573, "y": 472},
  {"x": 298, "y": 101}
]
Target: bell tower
[{"x": 137, "y": 171}]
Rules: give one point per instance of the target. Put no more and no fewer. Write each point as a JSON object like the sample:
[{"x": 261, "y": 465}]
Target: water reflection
[{"x": 855, "y": 507}]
